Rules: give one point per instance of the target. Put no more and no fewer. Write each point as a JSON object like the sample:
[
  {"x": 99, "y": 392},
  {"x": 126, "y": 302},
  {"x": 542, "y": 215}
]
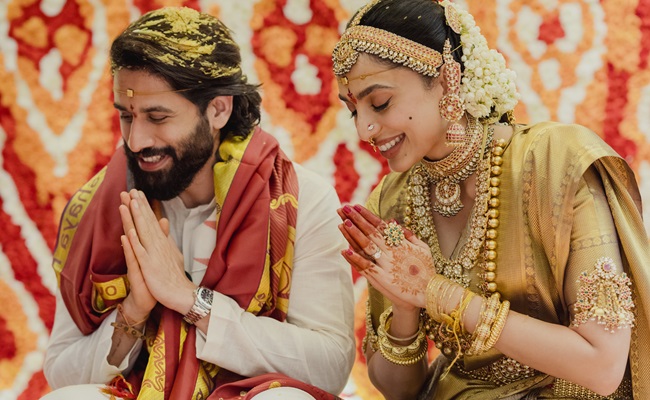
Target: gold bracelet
[
  {"x": 400, "y": 355},
  {"x": 467, "y": 299},
  {"x": 497, "y": 326},
  {"x": 483, "y": 328},
  {"x": 406, "y": 339},
  {"x": 432, "y": 291},
  {"x": 449, "y": 293}
]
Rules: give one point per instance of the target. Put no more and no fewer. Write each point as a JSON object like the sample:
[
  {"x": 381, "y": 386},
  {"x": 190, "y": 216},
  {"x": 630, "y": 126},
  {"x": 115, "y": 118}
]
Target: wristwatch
[{"x": 202, "y": 305}]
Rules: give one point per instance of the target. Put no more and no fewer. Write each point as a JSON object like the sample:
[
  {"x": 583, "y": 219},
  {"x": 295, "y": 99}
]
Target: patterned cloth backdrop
[{"x": 582, "y": 61}]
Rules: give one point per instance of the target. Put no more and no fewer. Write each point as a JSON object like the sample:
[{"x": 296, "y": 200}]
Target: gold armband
[{"x": 604, "y": 296}]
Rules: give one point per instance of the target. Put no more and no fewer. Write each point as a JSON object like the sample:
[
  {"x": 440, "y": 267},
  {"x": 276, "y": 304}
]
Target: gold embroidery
[
  {"x": 566, "y": 389},
  {"x": 605, "y": 296}
]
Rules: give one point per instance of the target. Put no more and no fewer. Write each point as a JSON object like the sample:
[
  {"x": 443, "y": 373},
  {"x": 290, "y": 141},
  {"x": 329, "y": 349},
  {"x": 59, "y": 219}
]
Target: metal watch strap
[{"x": 201, "y": 307}]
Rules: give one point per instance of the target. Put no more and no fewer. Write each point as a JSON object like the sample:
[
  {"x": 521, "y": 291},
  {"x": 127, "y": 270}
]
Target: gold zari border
[{"x": 566, "y": 389}]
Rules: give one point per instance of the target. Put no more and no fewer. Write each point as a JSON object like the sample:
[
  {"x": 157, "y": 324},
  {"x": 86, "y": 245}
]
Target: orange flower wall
[{"x": 577, "y": 61}]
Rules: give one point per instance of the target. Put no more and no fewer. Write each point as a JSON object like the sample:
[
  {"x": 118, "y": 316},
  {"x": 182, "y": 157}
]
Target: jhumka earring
[{"x": 451, "y": 105}]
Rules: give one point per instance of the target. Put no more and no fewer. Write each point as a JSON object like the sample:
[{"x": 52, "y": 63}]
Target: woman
[{"x": 519, "y": 250}]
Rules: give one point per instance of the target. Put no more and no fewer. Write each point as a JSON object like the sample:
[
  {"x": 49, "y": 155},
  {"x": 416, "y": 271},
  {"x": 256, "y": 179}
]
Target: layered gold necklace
[
  {"x": 448, "y": 173},
  {"x": 419, "y": 217}
]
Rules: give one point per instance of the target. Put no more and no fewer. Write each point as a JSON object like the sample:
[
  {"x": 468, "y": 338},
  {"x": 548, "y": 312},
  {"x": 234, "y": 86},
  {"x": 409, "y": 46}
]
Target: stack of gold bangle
[
  {"x": 439, "y": 292},
  {"x": 400, "y": 355},
  {"x": 497, "y": 326},
  {"x": 492, "y": 319}
]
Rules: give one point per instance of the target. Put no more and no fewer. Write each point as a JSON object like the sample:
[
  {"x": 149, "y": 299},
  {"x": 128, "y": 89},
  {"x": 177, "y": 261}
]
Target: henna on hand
[{"x": 411, "y": 269}]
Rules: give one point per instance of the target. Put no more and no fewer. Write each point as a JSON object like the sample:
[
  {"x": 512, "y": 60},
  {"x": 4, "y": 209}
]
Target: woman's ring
[{"x": 393, "y": 234}]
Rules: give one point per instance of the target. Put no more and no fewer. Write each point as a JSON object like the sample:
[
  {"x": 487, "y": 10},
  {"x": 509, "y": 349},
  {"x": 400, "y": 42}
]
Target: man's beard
[{"x": 193, "y": 152}]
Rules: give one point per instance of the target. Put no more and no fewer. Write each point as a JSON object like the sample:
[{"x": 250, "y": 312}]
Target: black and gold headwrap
[{"x": 183, "y": 37}]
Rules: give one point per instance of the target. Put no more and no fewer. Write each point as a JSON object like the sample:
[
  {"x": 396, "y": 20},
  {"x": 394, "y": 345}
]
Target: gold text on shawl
[{"x": 72, "y": 214}]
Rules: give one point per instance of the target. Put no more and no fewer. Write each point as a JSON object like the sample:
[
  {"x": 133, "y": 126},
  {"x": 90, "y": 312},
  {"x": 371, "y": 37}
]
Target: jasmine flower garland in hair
[{"x": 488, "y": 86}]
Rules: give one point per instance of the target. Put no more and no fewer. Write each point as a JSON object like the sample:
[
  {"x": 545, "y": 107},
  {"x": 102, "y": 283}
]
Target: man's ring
[{"x": 393, "y": 234}]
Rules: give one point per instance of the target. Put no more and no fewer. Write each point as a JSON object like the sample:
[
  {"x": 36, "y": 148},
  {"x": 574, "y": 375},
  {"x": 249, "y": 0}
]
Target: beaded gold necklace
[
  {"x": 445, "y": 342},
  {"x": 489, "y": 275},
  {"x": 419, "y": 218}
]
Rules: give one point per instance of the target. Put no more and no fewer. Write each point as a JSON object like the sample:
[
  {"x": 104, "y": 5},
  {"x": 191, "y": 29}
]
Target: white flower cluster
[{"x": 488, "y": 86}]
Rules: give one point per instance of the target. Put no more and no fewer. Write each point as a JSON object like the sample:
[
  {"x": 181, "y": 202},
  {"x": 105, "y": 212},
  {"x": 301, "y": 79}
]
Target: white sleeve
[
  {"x": 316, "y": 343},
  {"x": 73, "y": 358}
]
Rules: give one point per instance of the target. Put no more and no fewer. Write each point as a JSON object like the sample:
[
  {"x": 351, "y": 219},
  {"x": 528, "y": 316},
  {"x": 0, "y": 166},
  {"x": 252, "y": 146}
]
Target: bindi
[{"x": 351, "y": 97}]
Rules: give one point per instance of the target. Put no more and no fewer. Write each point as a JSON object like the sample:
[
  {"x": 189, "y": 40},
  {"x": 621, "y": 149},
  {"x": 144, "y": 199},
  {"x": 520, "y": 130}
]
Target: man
[{"x": 201, "y": 261}]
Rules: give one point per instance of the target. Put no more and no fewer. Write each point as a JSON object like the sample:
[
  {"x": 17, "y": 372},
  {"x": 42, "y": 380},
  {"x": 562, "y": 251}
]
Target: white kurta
[{"x": 314, "y": 345}]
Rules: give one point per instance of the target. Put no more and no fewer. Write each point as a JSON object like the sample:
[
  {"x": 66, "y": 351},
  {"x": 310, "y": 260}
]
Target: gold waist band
[
  {"x": 501, "y": 372},
  {"x": 566, "y": 389},
  {"x": 506, "y": 370}
]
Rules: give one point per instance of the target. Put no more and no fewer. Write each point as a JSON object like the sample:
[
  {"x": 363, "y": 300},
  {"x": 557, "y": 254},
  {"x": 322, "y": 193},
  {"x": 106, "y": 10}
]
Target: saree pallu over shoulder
[
  {"x": 256, "y": 190},
  {"x": 543, "y": 166}
]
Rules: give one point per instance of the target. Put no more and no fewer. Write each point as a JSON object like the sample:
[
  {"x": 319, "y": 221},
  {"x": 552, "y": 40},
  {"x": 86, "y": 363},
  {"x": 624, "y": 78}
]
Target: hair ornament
[
  {"x": 378, "y": 42},
  {"x": 453, "y": 19},
  {"x": 488, "y": 86}
]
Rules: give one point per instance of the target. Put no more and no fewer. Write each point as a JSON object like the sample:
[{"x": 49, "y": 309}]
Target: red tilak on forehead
[{"x": 351, "y": 97}]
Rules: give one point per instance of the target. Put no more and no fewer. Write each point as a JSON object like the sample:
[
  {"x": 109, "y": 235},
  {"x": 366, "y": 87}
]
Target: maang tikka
[{"x": 451, "y": 105}]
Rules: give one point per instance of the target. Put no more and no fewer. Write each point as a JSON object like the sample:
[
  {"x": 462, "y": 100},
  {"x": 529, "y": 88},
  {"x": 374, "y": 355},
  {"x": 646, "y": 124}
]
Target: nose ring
[{"x": 371, "y": 127}]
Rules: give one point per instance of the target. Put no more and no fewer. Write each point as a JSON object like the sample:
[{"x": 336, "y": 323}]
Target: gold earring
[{"x": 451, "y": 105}]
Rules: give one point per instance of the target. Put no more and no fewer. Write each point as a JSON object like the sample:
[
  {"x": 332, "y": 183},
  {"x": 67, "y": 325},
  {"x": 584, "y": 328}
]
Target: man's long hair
[{"x": 195, "y": 54}]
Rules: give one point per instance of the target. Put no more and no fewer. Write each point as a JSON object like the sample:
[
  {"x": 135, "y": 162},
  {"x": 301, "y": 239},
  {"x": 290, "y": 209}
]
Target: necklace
[
  {"x": 489, "y": 275},
  {"x": 489, "y": 175},
  {"x": 419, "y": 217},
  {"x": 447, "y": 173}
]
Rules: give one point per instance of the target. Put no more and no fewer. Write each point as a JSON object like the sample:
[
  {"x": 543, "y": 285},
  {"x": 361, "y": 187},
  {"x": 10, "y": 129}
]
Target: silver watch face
[{"x": 205, "y": 295}]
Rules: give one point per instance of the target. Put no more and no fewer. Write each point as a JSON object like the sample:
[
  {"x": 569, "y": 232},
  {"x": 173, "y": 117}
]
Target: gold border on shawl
[
  {"x": 112, "y": 290},
  {"x": 153, "y": 381},
  {"x": 231, "y": 152},
  {"x": 283, "y": 270},
  {"x": 264, "y": 288},
  {"x": 70, "y": 221}
]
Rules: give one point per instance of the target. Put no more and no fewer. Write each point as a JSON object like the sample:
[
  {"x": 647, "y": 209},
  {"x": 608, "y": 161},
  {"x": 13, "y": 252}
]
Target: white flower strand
[{"x": 488, "y": 86}]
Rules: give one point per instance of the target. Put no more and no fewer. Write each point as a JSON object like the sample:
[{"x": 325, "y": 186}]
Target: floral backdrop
[{"x": 582, "y": 61}]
